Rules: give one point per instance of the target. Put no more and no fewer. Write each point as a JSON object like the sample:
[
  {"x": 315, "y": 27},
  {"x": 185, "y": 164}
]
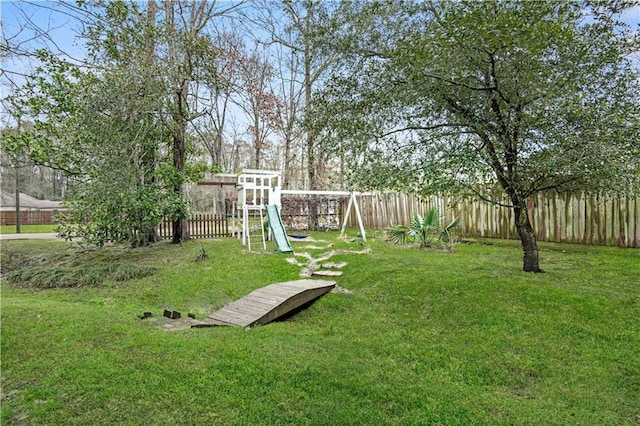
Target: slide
[{"x": 277, "y": 230}]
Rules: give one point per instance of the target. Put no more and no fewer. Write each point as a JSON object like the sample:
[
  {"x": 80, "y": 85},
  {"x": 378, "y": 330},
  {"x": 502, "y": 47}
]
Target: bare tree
[{"x": 257, "y": 100}]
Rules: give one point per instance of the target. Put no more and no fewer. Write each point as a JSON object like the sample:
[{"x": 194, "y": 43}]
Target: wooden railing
[{"x": 200, "y": 226}]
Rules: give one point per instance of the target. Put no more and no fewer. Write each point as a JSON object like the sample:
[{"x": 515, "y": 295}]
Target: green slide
[{"x": 277, "y": 230}]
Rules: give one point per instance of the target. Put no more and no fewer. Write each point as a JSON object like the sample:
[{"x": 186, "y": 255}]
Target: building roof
[{"x": 28, "y": 202}]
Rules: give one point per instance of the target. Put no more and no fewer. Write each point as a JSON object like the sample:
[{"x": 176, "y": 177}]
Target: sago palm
[{"x": 423, "y": 229}]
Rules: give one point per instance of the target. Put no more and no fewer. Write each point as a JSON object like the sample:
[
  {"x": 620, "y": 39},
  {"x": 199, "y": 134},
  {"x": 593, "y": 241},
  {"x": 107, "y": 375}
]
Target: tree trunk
[
  {"x": 181, "y": 225},
  {"x": 18, "y": 215},
  {"x": 180, "y": 231},
  {"x": 286, "y": 169},
  {"x": 527, "y": 238},
  {"x": 314, "y": 220},
  {"x": 256, "y": 163},
  {"x": 217, "y": 155},
  {"x": 151, "y": 236}
]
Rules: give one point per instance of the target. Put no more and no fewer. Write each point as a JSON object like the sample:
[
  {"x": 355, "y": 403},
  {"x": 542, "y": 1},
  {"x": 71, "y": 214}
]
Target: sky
[
  {"x": 632, "y": 16},
  {"x": 53, "y": 19},
  {"x": 27, "y": 20}
]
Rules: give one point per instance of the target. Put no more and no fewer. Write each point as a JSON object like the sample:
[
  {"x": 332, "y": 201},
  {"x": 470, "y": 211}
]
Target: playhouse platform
[{"x": 268, "y": 303}]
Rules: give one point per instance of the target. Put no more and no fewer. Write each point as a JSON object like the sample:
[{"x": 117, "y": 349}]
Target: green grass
[
  {"x": 70, "y": 267},
  {"x": 426, "y": 337},
  {"x": 27, "y": 229}
]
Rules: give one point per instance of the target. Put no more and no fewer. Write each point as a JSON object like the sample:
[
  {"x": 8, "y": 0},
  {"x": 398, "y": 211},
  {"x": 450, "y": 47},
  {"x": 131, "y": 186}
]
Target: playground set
[{"x": 259, "y": 197}]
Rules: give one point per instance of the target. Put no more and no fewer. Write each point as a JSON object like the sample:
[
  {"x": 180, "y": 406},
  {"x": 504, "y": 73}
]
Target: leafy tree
[
  {"x": 95, "y": 125},
  {"x": 120, "y": 122},
  {"x": 473, "y": 96},
  {"x": 87, "y": 125}
]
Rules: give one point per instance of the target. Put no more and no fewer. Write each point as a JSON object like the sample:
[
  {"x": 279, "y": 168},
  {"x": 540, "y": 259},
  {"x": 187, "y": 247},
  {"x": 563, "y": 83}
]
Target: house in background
[{"x": 32, "y": 210}]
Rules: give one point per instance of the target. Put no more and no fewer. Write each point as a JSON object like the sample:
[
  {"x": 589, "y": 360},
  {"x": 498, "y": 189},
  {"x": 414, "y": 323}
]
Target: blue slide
[{"x": 277, "y": 230}]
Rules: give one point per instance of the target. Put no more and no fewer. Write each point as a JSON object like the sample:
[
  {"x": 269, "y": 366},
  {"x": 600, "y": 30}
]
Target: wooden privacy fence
[
  {"x": 200, "y": 226},
  {"x": 558, "y": 217},
  {"x": 29, "y": 217}
]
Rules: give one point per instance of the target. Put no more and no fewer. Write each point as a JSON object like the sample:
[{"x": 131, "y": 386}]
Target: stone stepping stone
[{"x": 332, "y": 265}]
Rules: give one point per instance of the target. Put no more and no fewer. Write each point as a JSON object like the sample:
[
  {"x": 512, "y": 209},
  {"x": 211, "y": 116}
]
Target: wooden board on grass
[{"x": 268, "y": 303}]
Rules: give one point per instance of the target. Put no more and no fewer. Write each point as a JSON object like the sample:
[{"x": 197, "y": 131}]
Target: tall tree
[
  {"x": 188, "y": 38},
  {"x": 531, "y": 96},
  {"x": 304, "y": 31},
  {"x": 257, "y": 100},
  {"x": 124, "y": 122},
  {"x": 223, "y": 83}
]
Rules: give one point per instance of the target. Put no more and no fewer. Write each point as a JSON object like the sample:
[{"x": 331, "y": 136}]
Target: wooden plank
[
  {"x": 216, "y": 183},
  {"x": 602, "y": 221},
  {"x": 268, "y": 303},
  {"x": 232, "y": 312},
  {"x": 247, "y": 306},
  {"x": 615, "y": 221},
  {"x": 589, "y": 222},
  {"x": 609, "y": 211},
  {"x": 327, "y": 273},
  {"x": 541, "y": 217},
  {"x": 634, "y": 217},
  {"x": 623, "y": 235},
  {"x": 579, "y": 218},
  {"x": 266, "y": 298}
]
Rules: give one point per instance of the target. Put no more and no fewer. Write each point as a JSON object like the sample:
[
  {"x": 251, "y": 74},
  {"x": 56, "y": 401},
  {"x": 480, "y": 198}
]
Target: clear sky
[{"x": 632, "y": 16}]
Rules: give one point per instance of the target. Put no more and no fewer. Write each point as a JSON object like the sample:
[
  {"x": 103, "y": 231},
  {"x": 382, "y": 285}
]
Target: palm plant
[{"x": 423, "y": 229}]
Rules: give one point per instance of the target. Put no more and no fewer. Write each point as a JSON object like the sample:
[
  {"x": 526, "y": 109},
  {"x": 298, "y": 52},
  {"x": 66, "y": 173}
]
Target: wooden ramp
[{"x": 268, "y": 303}]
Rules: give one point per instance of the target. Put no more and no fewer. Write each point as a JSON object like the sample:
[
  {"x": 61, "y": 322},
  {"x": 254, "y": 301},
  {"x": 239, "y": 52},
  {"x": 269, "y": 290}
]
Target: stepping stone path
[
  {"x": 334, "y": 265},
  {"x": 316, "y": 267}
]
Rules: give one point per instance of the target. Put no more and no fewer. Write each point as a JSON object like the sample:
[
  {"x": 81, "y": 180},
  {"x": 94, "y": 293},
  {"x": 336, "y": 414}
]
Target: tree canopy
[{"x": 464, "y": 96}]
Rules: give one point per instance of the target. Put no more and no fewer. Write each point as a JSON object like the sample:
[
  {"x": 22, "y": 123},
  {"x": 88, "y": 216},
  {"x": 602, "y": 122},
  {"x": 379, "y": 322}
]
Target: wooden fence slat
[
  {"x": 29, "y": 217},
  {"x": 636, "y": 222},
  {"x": 558, "y": 217},
  {"x": 623, "y": 230},
  {"x": 576, "y": 218},
  {"x": 588, "y": 220},
  {"x": 200, "y": 226}
]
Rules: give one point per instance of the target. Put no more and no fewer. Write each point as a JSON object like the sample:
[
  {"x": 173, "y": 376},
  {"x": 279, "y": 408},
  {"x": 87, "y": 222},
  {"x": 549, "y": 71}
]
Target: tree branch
[
  {"x": 489, "y": 200},
  {"x": 408, "y": 128}
]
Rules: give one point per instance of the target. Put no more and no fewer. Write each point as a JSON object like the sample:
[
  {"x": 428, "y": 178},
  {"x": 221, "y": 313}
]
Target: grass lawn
[
  {"x": 27, "y": 229},
  {"x": 424, "y": 337}
]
